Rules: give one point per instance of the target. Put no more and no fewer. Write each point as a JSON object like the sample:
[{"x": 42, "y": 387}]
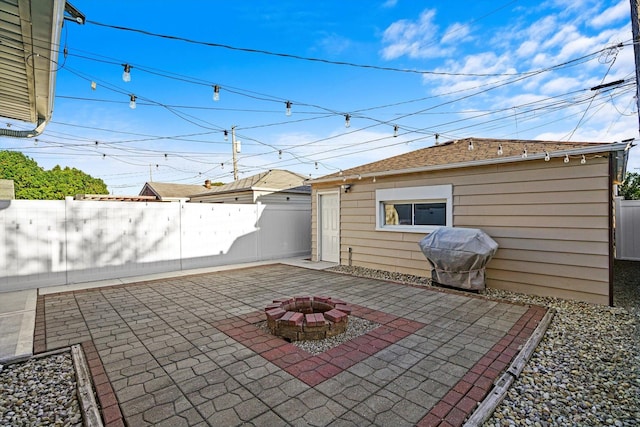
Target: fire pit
[{"x": 307, "y": 318}]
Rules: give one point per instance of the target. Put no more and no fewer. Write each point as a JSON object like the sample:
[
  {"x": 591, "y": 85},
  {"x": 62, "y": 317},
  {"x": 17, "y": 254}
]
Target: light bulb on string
[
  {"x": 104, "y": 156},
  {"x": 288, "y": 108},
  {"x": 566, "y": 158},
  {"x": 347, "y": 120},
  {"x": 395, "y": 131},
  {"x": 132, "y": 102},
  {"x": 94, "y": 85},
  {"x": 157, "y": 166},
  {"x": 524, "y": 154},
  {"x": 500, "y": 152},
  {"x": 166, "y": 157},
  {"x": 216, "y": 93},
  {"x": 340, "y": 173},
  {"x": 374, "y": 179},
  {"x": 126, "y": 74},
  {"x": 583, "y": 160},
  {"x": 359, "y": 177},
  {"x": 316, "y": 165},
  {"x": 546, "y": 156},
  {"x": 226, "y": 135},
  {"x": 470, "y": 148},
  {"x": 221, "y": 165},
  {"x": 35, "y": 141},
  {"x": 280, "y": 154}
]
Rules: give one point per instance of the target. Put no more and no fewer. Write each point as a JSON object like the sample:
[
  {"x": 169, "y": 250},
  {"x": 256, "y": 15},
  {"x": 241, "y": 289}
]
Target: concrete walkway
[{"x": 188, "y": 350}]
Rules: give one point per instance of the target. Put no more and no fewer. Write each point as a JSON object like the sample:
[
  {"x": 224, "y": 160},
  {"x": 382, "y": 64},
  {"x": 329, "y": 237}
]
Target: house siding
[{"x": 550, "y": 219}]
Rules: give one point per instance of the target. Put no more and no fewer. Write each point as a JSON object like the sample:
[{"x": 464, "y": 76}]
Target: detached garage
[{"x": 548, "y": 205}]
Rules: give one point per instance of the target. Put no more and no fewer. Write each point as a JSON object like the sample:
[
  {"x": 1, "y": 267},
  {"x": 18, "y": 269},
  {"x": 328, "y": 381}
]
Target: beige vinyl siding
[{"x": 550, "y": 219}]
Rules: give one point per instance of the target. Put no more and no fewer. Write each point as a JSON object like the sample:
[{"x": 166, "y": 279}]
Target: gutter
[
  {"x": 617, "y": 146},
  {"x": 42, "y": 122}
]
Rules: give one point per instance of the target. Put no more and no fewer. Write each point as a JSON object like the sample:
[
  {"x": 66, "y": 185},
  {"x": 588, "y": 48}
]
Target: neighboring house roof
[
  {"x": 30, "y": 34},
  {"x": 472, "y": 152},
  {"x": 114, "y": 198},
  {"x": 271, "y": 180},
  {"x": 163, "y": 190}
]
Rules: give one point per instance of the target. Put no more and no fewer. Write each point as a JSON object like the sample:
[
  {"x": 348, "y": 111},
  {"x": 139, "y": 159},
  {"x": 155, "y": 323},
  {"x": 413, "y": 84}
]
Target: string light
[
  {"x": 340, "y": 173},
  {"x": 35, "y": 141},
  {"x": 566, "y": 158},
  {"x": 226, "y": 135},
  {"x": 288, "y": 110},
  {"x": 166, "y": 157},
  {"x": 132, "y": 102},
  {"x": 359, "y": 177},
  {"x": 316, "y": 165},
  {"x": 524, "y": 153},
  {"x": 470, "y": 148},
  {"x": 374, "y": 179},
  {"x": 104, "y": 156},
  {"x": 280, "y": 154},
  {"x": 347, "y": 120},
  {"x": 216, "y": 93},
  {"x": 126, "y": 74},
  {"x": 583, "y": 160},
  {"x": 94, "y": 85},
  {"x": 221, "y": 165},
  {"x": 500, "y": 150},
  {"x": 546, "y": 156},
  {"x": 344, "y": 179},
  {"x": 395, "y": 131}
]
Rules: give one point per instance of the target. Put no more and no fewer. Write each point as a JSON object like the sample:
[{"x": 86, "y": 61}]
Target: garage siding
[{"x": 550, "y": 219}]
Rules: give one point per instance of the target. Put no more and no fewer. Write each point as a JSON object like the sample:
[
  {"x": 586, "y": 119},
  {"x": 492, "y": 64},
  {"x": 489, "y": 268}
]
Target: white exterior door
[{"x": 329, "y": 227}]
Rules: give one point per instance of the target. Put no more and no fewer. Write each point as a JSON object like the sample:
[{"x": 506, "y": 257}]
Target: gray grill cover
[{"x": 458, "y": 256}]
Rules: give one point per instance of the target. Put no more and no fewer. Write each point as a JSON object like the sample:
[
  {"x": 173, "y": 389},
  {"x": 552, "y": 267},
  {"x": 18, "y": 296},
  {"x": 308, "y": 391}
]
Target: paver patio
[{"x": 187, "y": 351}]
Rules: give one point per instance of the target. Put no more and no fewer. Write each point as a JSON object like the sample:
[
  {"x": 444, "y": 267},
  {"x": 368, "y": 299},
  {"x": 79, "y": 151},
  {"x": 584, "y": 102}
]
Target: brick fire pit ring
[{"x": 307, "y": 318}]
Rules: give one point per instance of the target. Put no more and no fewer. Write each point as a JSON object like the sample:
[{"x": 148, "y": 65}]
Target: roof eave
[{"x": 604, "y": 148}]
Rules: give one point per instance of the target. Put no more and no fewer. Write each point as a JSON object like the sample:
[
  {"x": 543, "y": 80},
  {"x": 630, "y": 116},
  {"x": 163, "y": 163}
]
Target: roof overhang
[
  {"x": 603, "y": 148},
  {"x": 29, "y": 46}
]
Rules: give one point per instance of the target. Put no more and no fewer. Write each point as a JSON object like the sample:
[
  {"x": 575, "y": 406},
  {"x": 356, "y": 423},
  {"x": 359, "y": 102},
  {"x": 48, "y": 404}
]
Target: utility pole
[
  {"x": 234, "y": 149},
  {"x": 635, "y": 31}
]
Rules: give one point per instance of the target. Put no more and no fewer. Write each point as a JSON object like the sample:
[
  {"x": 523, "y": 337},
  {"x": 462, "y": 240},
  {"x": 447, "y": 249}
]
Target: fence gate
[{"x": 628, "y": 229}]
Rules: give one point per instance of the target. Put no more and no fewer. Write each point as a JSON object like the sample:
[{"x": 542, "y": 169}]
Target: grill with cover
[{"x": 458, "y": 256}]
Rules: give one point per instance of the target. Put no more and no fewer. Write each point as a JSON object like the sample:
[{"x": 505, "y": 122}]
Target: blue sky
[{"x": 504, "y": 69}]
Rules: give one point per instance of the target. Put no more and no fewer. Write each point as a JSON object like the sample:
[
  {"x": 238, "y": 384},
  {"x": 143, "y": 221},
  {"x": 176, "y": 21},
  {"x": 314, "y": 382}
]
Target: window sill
[{"x": 410, "y": 228}]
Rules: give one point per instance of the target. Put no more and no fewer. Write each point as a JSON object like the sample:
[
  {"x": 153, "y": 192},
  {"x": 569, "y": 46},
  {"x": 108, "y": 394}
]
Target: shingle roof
[
  {"x": 163, "y": 189},
  {"x": 457, "y": 153},
  {"x": 275, "y": 180}
]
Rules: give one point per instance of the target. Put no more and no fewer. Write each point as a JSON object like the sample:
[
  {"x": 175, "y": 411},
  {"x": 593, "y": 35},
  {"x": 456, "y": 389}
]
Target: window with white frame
[{"x": 414, "y": 209}]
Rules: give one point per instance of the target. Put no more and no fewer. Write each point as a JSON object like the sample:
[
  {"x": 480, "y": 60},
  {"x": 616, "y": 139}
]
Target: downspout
[
  {"x": 611, "y": 224},
  {"x": 42, "y": 122}
]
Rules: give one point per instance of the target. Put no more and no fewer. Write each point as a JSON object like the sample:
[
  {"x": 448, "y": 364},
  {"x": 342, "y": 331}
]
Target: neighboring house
[
  {"x": 547, "y": 204},
  {"x": 273, "y": 186},
  {"x": 7, "y": 189},
  {"x": 167, "y": 192}
]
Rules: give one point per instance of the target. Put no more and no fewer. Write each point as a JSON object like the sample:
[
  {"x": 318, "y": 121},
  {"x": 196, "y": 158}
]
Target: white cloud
[
  {"x": 389, "y": 4},
  {"x": 415, "y": 39},
  {"x": 456, "y": 33},
  {"x": 561, "y": 85},
  {"x": 609, "y": 16},
  {"x": 335, "y": 44}
]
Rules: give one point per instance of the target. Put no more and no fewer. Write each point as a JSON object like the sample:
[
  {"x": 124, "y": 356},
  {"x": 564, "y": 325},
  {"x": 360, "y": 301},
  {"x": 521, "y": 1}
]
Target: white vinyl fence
[
  {"x": 628, "y": 229},
  {"x": 47, "y": 243}
]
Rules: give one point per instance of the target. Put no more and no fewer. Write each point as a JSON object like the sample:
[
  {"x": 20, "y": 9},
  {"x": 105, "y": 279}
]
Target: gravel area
[
  {"x": 39, "y": 391},
  {"x": 586, "y": 369}
]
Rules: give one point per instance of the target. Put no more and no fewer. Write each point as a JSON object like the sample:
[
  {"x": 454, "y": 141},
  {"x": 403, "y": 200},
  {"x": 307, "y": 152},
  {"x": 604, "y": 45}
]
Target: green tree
[
  {"x": 630, "y": 188},
  {"x": 33, "y": 182}
]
